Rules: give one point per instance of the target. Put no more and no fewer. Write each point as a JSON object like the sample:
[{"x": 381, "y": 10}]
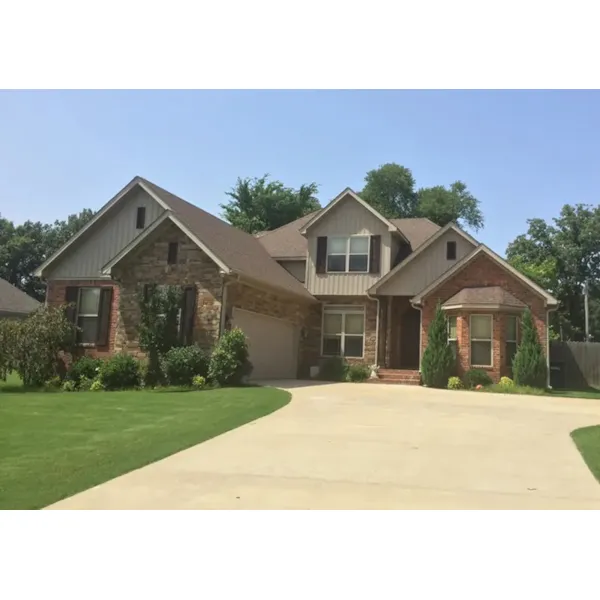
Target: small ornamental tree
[
  {"x": 159, "y": 325},
  {"x": 438, "y": 362},
  {"x": 529, "y": 365},
  {"x": 229, "y": 361}
]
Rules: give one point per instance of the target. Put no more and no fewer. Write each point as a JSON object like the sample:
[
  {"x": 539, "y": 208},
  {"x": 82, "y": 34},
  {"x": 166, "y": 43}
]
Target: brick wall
[
  {"x": 148, "y": 264},
  {"x": 56, "y": 296},
  {"x": 480, "y": 273}
]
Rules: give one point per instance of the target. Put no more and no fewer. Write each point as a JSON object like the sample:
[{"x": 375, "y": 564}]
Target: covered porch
[{"x": 400, "y": 334}]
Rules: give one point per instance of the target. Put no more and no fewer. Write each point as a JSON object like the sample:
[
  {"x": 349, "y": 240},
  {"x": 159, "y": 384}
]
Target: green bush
[
  {"x": 229, "y": 362},
  {"x": 199, "y": 382},
  {"x": 475, "y": 377},
  {"x": 85, "y": 384},
  {"x": 334, "y": 368},
  {"x": 9, "y": 333},
  {"x": 69, "y": 386},
  {"x": 454, "y": 383},
  {"x": 181, "y": 364},
  {"x": 529, "y": 365},
  {"x": 54, "y": 383},
  {"x": 86, "y": 366},
  {"x": 96, "y": 386},
  {"x": 358, "y": 373},
  {"x": 119, "y": 372},
  {"x": 438, "y": 362},
  {"x": 506, "y": 382}
]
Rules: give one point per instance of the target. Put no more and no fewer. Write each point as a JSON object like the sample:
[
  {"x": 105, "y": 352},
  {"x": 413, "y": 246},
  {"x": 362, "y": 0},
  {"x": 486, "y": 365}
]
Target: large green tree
[
  {"x": 258, "y": 204},
  {"x": 561, "y": 256},
  {"x": 391, "y": 190},
  {"x": 23, "y": 248}
]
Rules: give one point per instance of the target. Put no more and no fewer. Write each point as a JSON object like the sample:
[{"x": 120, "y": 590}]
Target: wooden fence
[{"x": 575, "y": 365}]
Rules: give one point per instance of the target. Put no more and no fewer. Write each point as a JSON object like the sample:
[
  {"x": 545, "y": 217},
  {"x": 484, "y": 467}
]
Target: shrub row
[{"x": 337, "y": 369}]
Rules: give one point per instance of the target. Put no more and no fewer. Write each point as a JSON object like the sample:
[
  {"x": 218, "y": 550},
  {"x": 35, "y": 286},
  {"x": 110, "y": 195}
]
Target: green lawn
[
  {"x": 53, "y": 445},
  {"x": 587, "y": 440}
]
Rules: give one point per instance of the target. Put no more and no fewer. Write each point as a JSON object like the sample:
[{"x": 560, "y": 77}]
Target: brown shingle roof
[
  {"x": 417, "y": 230},
  {"x": 493, "y": 295},
  {"x": 14, "y": 301},
  {"x": 241, "y": 252}
]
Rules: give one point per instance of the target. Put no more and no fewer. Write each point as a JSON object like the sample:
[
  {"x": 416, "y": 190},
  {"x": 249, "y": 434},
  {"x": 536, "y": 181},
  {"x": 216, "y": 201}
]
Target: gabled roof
[
  {"x": 14, "y": 301},
  {"x": 461, "y": 264},
  {"x": 232, "y": 249},
  {"x": 287, "y": 241},
  {"x": 417, "y": 230},
  {"x": 347, "y": 193},
  {"x": 431, "y": 240},
  {"x": 483, "y": 297}
]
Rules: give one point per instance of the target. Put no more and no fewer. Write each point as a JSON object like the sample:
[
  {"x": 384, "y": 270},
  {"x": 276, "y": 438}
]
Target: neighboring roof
[
  {"x": 416, "y": 230},
  {"x": 484, "y": 296},
  {"x": 232, "y": 249},
  {"x": 287, "y": 241},
  {"x": 15, "y": 301},
  {"x": 347, "y": 193},
  {"x": 429, "y": 241},
  {"x": 481, "y": 249}
]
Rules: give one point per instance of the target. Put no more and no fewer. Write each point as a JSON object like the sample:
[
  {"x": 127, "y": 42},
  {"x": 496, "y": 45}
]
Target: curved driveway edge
[{"x": 353, "y": 446}]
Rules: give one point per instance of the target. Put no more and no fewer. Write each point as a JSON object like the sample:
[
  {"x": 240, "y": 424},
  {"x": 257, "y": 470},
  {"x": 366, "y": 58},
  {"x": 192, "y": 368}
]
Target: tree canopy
[
  {"x": 23, "y": 248},
  {"x": 560, "y": 256},
  {"x": 391, "y": 190},
  {"x": 258, "y": 204}
]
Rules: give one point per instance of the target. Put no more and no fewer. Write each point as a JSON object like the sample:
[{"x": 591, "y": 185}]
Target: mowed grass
[
  {"x": 587, "y": 440},
  {"x": 53, "y": 445}
]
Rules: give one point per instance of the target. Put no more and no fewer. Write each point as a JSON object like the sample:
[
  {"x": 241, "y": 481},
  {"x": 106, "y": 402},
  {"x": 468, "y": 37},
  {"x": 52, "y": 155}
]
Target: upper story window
[
  {"x": 348, "y": 254},
  {"x": 140, "y": 219},
  {"x": 450, "y": 250}
]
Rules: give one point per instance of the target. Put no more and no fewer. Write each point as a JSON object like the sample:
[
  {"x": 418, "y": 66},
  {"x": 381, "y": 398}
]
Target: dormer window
[
  {"x": 451, "y": 250},
  {"x": 140, "y": 219},
  {"x": 348, "y": 254}
]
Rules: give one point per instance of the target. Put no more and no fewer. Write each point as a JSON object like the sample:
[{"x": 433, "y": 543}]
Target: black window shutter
[
  {"x": 188, "y": 311},
  {"x": 375, "y": 254},
  {"x": 172, "y": 253},
  {"x": 71, "y": 297},
  {"x": 140, "y": 221},
  {"x": 104, "y": 316},
  {"x": 321, "y": 254}
]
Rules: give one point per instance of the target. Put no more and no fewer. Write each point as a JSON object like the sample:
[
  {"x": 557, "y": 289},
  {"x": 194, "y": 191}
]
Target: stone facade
[
  {"x": 148, "y": 264},
  {"x": 56, "y": 296},
  {"x": 480, "y": 273}
]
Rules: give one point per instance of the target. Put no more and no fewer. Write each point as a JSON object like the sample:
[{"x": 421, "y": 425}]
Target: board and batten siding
[
  {"x": 347, "y": 218},
  {"x": 297, "y": 268},
  {"x": 86, "y": 257},
  {"x": 427, "y": 267}
]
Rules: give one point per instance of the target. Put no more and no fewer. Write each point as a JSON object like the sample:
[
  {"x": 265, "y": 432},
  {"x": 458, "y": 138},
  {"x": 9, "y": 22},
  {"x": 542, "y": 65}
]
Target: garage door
[{"x": 273, "y": 344}]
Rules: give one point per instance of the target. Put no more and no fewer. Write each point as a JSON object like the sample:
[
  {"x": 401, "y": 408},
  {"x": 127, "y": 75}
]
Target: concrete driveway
[{"x": 375, "y": 446}]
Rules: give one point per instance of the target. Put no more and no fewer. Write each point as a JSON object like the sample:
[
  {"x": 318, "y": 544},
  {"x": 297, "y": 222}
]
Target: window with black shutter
[{"x": 140, "y": 220}]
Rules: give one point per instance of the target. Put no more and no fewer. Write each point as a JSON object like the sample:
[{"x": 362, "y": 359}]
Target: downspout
[{"x": 376, "y": 327}]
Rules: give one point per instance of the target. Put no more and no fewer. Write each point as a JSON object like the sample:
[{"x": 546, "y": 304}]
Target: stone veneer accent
[
  {"x": 484, "y": 272},
  {"x": 148, "y": 264},
  {"x": 56, "y": 296}
]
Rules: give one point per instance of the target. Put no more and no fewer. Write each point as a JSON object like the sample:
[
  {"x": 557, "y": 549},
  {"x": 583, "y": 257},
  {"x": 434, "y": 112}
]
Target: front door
[{"x": 410, "y": 330}]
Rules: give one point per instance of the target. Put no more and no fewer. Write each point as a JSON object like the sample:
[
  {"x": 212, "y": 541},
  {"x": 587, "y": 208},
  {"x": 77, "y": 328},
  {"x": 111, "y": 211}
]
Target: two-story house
[{"x": 343, "y": 281}]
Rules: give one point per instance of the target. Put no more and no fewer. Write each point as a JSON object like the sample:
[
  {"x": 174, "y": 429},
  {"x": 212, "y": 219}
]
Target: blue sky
[{"x": 523, "y": 154}]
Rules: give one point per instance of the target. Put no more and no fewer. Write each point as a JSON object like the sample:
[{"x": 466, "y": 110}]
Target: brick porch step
[{"x": 399, "y": 376}]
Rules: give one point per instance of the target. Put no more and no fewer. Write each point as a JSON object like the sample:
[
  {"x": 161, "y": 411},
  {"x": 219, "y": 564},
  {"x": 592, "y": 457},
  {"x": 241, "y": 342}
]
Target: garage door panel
[{"x": 272, "y": 343}]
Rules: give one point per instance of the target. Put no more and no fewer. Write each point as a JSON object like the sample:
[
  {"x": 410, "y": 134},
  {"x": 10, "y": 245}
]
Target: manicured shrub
[
  {"x": 181, "y": 364},
  {"x": 85, "y": 384},
  {"x": 68, "y": 386},
  {"x": 529, "y": 365},
  {"x": 454, "y": 383},
  {"x": 120, "y": 371},
  {"x": 506, "y": 382},
  {"x": 475, "y": 377},
  {"x": 358, "y": 373},
  {"x": 229, "y": 363},
  {"x": 333, "y": 368},
  {"x": 438, "y": 362},
  {"x": 96, "y": 386},
  {"x": 85, "y": 366},
  {"x": 198, "y": 382}
]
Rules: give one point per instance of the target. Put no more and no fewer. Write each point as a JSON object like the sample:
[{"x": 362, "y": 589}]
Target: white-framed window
[
  {"x": 510, "y": 342},
  {"x": 348, "y": 254},
  {"x": 480, "y": 333},
  {"x": 88, "y": 307},
  {"x": 343, "y": 331},
  {"x": 452, "y": 336}
]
